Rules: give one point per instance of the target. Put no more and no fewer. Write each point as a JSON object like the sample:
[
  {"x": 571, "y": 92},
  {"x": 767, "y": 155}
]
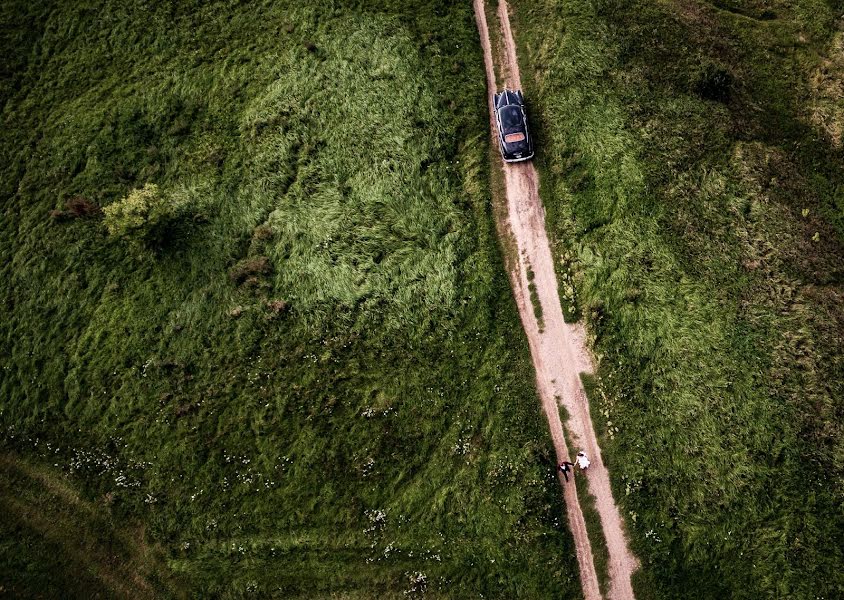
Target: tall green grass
[
  {"x": 316, "y": 385},
  {"x": 682, "y": 171}
]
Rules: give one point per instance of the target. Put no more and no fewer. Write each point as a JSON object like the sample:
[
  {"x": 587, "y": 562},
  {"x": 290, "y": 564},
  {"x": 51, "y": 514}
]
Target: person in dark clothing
[{"x": 565, "y": 467}]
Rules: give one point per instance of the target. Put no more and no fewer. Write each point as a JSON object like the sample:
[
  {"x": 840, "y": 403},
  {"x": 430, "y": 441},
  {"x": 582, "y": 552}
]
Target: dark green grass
[
  {"x": 681, "y": 165},
  {"x": 317, "y": 384},
  {"x": 534, "y": 298}
]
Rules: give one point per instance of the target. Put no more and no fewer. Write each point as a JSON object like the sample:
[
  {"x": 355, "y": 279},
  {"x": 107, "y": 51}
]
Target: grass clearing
[
  {"x": 314, "y": 382},
  {"x": 700, "y": 194}
]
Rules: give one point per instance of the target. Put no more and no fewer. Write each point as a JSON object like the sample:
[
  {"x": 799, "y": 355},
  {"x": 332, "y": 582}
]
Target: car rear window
[
  {"x": 511, "y": 119},
  {"x": 514, "y": 137}
]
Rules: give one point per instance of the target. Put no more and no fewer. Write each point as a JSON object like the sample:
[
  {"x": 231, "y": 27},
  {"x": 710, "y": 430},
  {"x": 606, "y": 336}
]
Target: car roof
[{"x": 511, "y": 117}]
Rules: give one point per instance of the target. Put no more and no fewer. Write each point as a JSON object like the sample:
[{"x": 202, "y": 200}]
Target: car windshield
[{"x": 511, "y": 119}]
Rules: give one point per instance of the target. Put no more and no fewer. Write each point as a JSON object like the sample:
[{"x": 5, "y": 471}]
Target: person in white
[{"x": 582, "y": 461}]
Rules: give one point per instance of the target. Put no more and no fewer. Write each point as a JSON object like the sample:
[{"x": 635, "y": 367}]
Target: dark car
[{"x": 511, "y": 118}]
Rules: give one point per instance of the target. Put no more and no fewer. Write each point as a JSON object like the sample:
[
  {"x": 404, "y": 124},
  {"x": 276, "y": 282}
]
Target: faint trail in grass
[{"x": 119, "y": 562}]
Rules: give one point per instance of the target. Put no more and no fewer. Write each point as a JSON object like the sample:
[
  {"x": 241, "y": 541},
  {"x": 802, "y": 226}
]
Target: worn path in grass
[{"x": 558, "y": 348}]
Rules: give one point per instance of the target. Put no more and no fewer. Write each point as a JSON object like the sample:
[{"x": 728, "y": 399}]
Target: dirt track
[{"x": 558, "y": 350}]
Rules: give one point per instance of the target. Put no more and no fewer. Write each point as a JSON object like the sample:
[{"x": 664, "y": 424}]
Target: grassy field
[
  {"x": 691, "y": 156},
  {"x": 306, "y": 377}
]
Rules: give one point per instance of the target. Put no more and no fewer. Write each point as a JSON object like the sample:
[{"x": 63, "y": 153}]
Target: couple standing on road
[{"x": 582, "y": 462}]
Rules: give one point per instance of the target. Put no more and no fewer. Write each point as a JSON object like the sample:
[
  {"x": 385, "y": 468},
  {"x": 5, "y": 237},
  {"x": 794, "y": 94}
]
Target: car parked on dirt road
[{"x": 511, "y": 119}]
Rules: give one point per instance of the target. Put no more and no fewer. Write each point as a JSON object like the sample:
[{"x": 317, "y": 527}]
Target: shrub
[
  {"x": 249, "y": 268},
  {"x": 143, "y": 215}
]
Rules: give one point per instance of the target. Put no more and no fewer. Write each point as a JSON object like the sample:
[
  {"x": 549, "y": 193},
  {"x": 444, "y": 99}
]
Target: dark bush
[
  {"x": 250, "y": 268},
  {"x": 277, "y": 306},
  {"x": 262, "y": 232},
  {"x": 714, "y": 83},
  {"x": 75, "y": 208},
  {"x": 82, "y": 207},
  {"x": 252, "y": 282},
  {"x": 184, "y": 410}
]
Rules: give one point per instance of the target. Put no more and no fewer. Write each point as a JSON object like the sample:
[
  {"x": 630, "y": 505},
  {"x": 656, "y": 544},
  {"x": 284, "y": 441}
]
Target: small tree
[{"x": 142, "y": 215}]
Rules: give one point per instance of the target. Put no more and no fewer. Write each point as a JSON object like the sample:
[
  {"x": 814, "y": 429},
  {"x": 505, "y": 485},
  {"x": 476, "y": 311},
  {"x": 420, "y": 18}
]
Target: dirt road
[{"x": 558, "y": 349}]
